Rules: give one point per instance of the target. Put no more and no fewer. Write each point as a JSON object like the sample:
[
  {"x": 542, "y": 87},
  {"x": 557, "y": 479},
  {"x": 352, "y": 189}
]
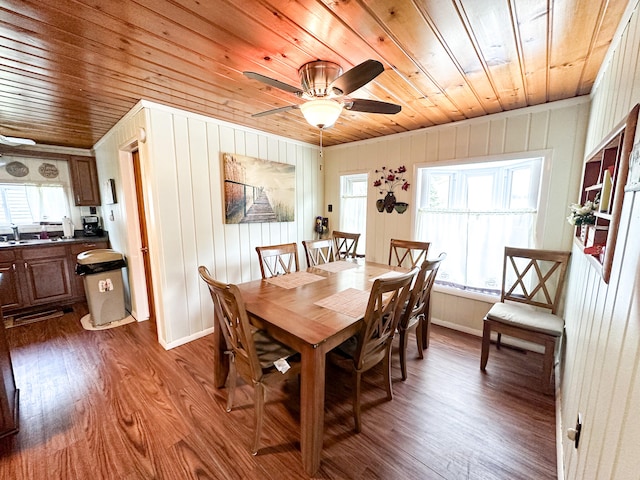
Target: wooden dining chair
[
  {"x": 416, "y": 316},
  {"x": 252, "y": 352},
  {"x": 407, "y": 253},
  {"x": 345, "y": 244},
  {"x": 318, "y": 252},
  {"x": 532, "y": 283},
  {"x": 372, "y": 344},
  {"x": 278, "y": 259}
]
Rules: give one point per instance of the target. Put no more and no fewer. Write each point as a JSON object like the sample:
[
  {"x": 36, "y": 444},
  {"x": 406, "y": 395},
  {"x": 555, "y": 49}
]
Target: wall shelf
[{"x": 605, "y": 174}]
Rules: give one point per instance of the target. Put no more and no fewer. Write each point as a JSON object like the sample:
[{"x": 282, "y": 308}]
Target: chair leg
[
  {"x": 426, "y": 327},
  {"x": 547, "y": 366},
  {"x": 403, "y": 352},
  {"x": 386, "y": 366},
  {"x": 486, "y": 343},
  {"x": 259, "y": 397},
  {"x": 419, "y": 343},
  {"x": 356, "y": 401},
  {"x": 498, "y": 340},
  {"x": 231, "y": 384}
]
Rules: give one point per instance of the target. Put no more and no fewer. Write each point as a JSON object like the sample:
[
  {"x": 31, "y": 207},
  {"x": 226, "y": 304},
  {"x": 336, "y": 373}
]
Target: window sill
[{"x": 481, "y": 297}]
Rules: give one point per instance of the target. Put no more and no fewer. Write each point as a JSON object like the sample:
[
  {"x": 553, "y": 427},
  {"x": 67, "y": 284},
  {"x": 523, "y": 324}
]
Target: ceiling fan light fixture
[{"x": 321, "y": 113}]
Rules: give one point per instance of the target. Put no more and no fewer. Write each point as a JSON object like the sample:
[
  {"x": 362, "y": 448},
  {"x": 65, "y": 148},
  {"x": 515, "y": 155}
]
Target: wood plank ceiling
[{"x": 70, "y": 69}]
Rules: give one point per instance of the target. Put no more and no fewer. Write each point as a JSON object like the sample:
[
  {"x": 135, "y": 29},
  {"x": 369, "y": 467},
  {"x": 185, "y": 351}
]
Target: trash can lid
[{"x": 99, "y": 255}]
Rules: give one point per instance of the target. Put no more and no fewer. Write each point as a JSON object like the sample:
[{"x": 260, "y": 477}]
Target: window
[
  {"x": 25, "y": 204},
  {"x": 353, "y": 207},
  {"x": 471, "y": 211}
]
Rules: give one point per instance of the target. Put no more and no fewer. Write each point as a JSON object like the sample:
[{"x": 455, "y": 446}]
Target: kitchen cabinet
[
  {"x": 42, "y": 275},
  {"x": 10, "y": 293},
  {"x": 84, "y": 181},
  {"x": 604, "y": 177},
  {"x": 8, "y": 391},
  {"x": 46, "y": 274}
]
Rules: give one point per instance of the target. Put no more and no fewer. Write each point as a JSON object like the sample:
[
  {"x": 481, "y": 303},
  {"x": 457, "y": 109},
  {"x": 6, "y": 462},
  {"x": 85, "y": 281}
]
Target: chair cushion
[
  {"x": 269, "y": 349},
  {"x": 348, "y": 348},
  {"x": 518, "y": 316}
]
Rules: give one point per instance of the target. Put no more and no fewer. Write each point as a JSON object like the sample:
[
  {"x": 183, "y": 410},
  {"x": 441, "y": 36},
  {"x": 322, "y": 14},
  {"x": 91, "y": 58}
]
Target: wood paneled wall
[
  {"x": 182, "y": 168},
  {"x": 558, "y": 128},
  {"x": 602, "y": 358}
]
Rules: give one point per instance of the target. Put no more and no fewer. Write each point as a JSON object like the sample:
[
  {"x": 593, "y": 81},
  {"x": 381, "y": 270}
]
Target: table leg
[
  {"x": 312, "y": 407},
  {"x": 220, "y": 360}
]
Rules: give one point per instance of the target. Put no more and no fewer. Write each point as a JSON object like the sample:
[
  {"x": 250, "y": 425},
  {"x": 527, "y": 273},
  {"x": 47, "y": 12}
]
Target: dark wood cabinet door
[
  {"x": 47, "y": 280},
  {"x": 9, "y": 286},
  {"x": 84, "y": 179}
]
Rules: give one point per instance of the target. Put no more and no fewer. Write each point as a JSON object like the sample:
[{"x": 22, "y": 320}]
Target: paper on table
[
  {"x": 350, "y": 302},
  {"x": 337, "y": 266},
  {"x": 293, "y": 280}
]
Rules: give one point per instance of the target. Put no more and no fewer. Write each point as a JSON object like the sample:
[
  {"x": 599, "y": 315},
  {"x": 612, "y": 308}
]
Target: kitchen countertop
[{"x": 51, "y": 241}]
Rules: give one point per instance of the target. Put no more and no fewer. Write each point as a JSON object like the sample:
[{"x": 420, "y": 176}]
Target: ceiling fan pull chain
[{"x": 321, "y": 152}]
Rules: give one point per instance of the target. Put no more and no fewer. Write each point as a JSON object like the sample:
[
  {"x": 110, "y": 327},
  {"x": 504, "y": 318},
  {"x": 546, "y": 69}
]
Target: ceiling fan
[
  {"x": 15, "y": 141},
  {"x": 326, "y": 88}
]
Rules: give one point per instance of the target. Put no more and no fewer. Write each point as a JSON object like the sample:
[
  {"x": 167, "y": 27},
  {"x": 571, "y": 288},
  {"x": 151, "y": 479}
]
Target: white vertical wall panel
[
  {"x": 200, "y": 199},
  {"x": 517, "y": 134},
  {"x": 497, "y": 132},
  {"x": 183, "y": 177},
  {"x": 479, "y": 139},
  {"x": 559, "y": 128},
  {"x": 602, "y": 359}
]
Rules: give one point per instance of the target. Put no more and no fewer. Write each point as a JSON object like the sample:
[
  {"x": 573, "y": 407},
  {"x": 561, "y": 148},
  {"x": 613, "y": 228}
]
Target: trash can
[{"x": 103, "y": 284}]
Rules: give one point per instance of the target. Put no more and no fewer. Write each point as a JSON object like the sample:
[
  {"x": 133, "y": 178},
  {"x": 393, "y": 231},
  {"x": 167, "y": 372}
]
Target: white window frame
[
  {"x": 342, "y": 226},
  {"x": 543, "y": 195}
]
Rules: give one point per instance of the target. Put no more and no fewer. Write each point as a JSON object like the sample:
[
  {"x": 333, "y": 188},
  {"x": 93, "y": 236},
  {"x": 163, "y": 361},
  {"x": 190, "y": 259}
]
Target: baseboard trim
[
  {"x": 559, "y": 422},
  {"x": 184, "y": 340}
]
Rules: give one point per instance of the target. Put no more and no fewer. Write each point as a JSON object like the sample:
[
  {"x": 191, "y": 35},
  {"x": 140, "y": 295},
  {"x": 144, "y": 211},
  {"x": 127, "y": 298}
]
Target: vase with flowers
[
  {"x": 582, "y": 214},
  {"x": 389, "y": 180}
]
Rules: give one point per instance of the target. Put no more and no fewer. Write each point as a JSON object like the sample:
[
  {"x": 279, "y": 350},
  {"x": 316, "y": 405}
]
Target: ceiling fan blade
[
  {"x": 274, "y": 83},
  {"x": 371, "y": 106},
  {"x": 15, "y": 141},
  {"x": 275, "y": 110},
  {"x": 360, "y": 75}
]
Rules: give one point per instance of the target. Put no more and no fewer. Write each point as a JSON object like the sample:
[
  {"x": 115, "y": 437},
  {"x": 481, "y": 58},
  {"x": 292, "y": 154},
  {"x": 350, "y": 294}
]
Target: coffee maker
[{"x": 91, "y": 226}]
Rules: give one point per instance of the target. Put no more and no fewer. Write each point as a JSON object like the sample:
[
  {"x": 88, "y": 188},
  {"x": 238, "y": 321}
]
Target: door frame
[{"x": 135, "y": 263}]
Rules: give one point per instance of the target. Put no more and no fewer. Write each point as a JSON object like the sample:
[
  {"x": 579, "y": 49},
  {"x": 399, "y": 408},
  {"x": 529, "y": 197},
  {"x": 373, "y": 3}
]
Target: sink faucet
[{"x": 16, "y": 233}]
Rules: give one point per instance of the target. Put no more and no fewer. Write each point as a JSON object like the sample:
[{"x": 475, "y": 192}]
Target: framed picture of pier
[{"x": 258, "y": 191}]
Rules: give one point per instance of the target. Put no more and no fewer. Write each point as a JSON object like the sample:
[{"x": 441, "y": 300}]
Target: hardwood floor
[{"x": 114, "y": 404}]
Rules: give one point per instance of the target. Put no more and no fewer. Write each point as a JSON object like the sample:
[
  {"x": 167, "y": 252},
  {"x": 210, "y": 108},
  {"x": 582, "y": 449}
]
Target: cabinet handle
[
  {"x": 26, "y": 265},
  {"x": 14, "y": 266}
]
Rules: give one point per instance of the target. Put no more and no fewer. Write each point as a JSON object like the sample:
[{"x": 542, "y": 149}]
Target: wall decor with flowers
[{"x": 388, "y": 180}]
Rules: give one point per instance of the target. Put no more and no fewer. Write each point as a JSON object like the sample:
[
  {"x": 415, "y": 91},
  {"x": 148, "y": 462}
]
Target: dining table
[{"x": 312, "y": 311}]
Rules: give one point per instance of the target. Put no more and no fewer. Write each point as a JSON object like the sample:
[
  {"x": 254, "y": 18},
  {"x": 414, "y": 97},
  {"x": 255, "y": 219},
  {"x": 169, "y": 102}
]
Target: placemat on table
[
  {"x": 337, "y": 266},
  {"x": 295, "y": 279},
  {"x": 350, "y": 302}
]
